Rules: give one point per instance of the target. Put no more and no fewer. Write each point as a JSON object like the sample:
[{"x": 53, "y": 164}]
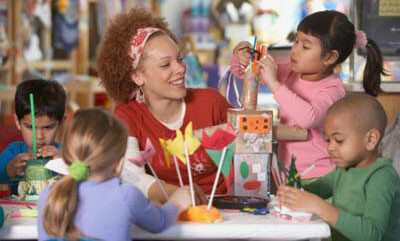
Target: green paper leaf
[
  {"x": 244, "y": 170},
  {"x": 216, "y": 157}
]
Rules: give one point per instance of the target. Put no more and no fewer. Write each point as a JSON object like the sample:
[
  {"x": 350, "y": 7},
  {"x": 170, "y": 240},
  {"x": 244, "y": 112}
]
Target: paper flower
[
  {"x": 176, "y": 146},
  {"x": 145, "y": 155},
  {"x": 216, "y": 157},
  {"x": 219, "y": 139}
]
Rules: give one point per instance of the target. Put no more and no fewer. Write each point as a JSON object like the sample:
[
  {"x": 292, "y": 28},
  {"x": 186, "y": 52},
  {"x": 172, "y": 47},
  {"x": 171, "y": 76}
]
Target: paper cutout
[
  {"x": 57, "y": 165},
  {"x": 216, "y": 156},
  {"x": 251, "y": 185},
  {"x": 164, "y": 144},
  {"x": 254, "y": 184},
  {"x": 262, "y": 177},
  {"x": 192, "y": 142},
  {"x": 144, "y": 159},
  {"x": 230, "y": 129},
  {"x": 145, "y": 155},
  {"x": 176, "y": 146},
  {"x": 244, "y": 170},
  {"x": 255, "y": 124},
  {"x": 293, "y": 179},
  {"x": 219, "y": 139},
  {"x": 25, "y": 212},
  {"x": 256, "y": 168}
]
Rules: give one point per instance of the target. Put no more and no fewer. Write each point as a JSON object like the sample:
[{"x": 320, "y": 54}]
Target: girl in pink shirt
[{"x": 307, "y": 86}]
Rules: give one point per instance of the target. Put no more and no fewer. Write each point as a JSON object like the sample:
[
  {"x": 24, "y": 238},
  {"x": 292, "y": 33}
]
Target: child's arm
[
  {"x": 269, "y": 73},
  {"x": 306, "y": 113},
  {"x": 322, "y": 187},
  {"x": 5, "y": 158},
  {"x": 311, "y": 200},
  {"x": 152, "y": 218},
  {"x": 17, "y": 164},
  {"x": 382, "y": 201}
]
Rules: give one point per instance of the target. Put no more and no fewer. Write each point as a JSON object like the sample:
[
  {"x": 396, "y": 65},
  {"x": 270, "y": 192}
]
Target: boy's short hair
[
  {"x": 49, "y": 99},
  {"x": 367, "y": 112}
]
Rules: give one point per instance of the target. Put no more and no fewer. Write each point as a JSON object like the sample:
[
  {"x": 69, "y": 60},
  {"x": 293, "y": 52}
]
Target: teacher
[{"x": 142, "y": 70}]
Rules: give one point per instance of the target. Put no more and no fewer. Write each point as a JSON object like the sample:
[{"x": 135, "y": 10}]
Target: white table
[{"x": 235, "y": 226}]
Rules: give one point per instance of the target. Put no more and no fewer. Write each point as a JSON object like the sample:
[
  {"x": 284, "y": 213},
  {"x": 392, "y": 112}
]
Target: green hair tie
[{"x": 78, "y": 170}]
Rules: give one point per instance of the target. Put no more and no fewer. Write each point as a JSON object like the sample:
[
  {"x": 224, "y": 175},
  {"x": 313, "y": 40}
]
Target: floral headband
[{"x": 138, "y": 42}]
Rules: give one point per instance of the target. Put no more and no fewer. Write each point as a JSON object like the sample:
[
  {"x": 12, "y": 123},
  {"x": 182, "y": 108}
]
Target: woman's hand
[
  {"x": 155, "y": 193},
  {"x": 268, "y": 73},
  {"x": 199, "y": 195}
]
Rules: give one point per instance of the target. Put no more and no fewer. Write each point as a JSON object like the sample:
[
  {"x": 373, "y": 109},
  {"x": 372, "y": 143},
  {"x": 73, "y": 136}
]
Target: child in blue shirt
[
  {"x": 91, "y": 202},
  {"x": 49, "y": 99}
]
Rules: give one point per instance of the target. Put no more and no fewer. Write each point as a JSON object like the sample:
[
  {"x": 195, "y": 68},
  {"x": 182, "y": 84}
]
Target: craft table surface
[{"x": 241, "y": 226}]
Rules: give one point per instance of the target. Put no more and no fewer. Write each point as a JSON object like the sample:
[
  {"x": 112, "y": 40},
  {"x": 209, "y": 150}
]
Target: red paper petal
[
  {"x": 251, "y": 185},
  {"x": 218, "y": 140}
]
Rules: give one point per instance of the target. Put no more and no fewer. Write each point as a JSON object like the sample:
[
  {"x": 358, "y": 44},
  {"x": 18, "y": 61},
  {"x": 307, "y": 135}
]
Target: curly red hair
[{"x": 114, "y": 64}]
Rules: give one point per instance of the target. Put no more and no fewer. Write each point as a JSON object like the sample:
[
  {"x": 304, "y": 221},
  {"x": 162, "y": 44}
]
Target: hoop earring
[{"x": 139, "y": 95}]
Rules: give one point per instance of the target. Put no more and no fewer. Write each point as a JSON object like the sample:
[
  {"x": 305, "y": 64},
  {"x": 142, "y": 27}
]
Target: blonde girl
[{"x": 91, "y": 201}]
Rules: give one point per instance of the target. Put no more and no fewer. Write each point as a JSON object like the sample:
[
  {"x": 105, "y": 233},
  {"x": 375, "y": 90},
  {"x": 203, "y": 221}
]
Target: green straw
[{"x": 33, "y": 125}]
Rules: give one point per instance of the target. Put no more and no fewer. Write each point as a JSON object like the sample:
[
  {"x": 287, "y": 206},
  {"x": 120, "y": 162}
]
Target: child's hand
[
  {"x": 48, "y": 151},
  {"x": 16, "y": 166},
  {"x": 268, "y": 73},
  {"x": 181, "y": 197},
  {"x": 240, "y": 59},
  {"x": 298, "y": 200},
  {"x": 242, "y": 52}
]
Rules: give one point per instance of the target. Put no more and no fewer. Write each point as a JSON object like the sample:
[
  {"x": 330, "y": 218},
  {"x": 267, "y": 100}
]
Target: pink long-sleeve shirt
[{"x": 304, "y": 104}]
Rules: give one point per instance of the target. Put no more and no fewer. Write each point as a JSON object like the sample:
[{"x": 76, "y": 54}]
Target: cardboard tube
[
  {"x": 249, "y": 91},
  {"x": 289, "y": 133},
  {"x": 280, "y": 132}
]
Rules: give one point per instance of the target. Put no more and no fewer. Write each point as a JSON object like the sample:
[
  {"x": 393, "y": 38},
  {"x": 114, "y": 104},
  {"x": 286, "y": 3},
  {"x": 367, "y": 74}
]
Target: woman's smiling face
[{"x": 162, "y": 70}]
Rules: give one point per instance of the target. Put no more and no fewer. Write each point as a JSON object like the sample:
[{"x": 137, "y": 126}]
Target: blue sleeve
[
  {"x": 6, "y": 156},
  {"x": 42, "y": 235},
  {"x": 147, "y": 216}
]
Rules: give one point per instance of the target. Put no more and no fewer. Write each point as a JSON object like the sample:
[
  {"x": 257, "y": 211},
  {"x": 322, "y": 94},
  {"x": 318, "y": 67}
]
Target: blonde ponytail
[{"x": 60, "y": 209}]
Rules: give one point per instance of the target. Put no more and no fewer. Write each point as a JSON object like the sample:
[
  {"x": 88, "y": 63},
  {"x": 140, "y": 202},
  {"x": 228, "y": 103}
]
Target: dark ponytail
[{"x": 373, "y": 69}]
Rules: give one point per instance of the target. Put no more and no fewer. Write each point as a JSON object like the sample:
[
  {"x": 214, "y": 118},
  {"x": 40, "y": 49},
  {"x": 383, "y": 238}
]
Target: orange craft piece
[
  {"x": 255, "y": 124},
  {"x": 200, "y": 214}
]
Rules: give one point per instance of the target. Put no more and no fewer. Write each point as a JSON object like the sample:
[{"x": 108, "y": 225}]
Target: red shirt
[{"x": 204, "y": 107}]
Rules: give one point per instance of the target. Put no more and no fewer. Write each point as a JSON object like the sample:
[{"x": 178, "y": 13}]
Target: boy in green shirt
[{"x": 365, "y": 188}]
